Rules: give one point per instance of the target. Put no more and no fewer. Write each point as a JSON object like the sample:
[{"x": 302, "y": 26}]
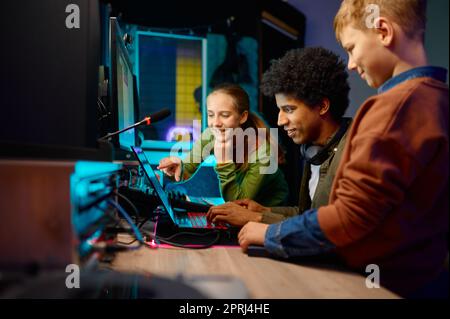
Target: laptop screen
[{"x": 142, "y": 158}]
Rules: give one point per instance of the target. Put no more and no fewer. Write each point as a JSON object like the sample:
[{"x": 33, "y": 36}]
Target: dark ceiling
[{"x": 202, "y": 16}]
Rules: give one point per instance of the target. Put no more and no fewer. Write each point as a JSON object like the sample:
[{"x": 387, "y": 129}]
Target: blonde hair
[{"x": 410, "y": 15}]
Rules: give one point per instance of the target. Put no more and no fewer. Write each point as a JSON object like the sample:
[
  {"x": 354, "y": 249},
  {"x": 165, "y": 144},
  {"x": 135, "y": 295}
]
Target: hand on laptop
[
  {"x": 233, "y": 214},
  {"x": 252, "y": 234},
  {"x": 171, "y": 166}
]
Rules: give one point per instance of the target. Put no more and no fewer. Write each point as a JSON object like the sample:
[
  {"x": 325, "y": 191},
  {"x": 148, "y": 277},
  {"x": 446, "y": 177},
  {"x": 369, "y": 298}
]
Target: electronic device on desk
[
  {"x": 180, "y": 197},
  {"x": 202, "y": 187},
  {"x": 138, "y": 195},
  {"x": 123, "y": 97},
  {"x": 122, "y": 93},
  {"x": 137, "y": 188},
  {"x": 180, "y": 200},
  {"x": 54, "y": 213},
  {"x": 146, "y": 199},
  {"x": 192, "y": 222}
]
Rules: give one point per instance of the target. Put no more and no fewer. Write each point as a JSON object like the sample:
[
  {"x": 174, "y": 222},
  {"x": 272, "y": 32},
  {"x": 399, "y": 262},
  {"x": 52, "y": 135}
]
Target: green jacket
[
  {"x": 267, "y": 189},
  {"x": 326, "y": 176}
]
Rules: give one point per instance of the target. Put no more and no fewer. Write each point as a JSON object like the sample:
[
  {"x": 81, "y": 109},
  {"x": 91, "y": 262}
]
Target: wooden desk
[{"x": 264, "y": 277}]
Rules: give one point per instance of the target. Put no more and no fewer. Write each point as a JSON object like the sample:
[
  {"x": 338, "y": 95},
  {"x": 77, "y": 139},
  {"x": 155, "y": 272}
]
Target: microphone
[
  {"x": 152, "y": 118},
  {"x": 158, "y": 116}
]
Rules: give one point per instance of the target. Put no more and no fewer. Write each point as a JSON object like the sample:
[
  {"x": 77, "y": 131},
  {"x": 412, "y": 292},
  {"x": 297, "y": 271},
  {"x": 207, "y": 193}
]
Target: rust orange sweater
[{"x": 389, "y": 200}]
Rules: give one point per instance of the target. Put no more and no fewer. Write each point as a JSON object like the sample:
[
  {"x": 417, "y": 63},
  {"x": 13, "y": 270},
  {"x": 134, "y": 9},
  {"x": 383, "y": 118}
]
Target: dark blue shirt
[{"x": 434, "y": 72}]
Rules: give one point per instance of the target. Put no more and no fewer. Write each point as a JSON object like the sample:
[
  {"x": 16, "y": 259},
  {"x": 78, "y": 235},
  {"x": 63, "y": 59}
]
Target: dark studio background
[{"x": 50, "y": 76}]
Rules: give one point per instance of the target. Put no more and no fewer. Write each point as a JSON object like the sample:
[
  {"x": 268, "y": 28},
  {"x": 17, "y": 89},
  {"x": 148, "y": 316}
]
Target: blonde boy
[{"x": 389, "y": 201}]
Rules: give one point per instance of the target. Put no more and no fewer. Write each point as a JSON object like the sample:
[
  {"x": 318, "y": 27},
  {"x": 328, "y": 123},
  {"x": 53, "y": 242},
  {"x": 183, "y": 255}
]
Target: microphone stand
[{"x": 109, "y": 135}]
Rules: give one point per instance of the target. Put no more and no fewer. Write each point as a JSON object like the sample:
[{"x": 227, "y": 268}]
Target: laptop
[{"x": 182, "y": 219}]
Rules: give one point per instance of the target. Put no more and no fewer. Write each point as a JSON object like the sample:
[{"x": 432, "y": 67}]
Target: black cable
[
  {"x": 143, "y": 222},
  {"x": 190, "y": 234},
  {"x": 190, "y": 247},
  {"x": 129, "y": 243},
  {"x": 96, "y": 202},
  {"x": 168, "y": 242},
  {"x": 145, "y": 232},
  {"x": 135, "y": 230},
  {"x": 129, "y": 203},
  {"x": 115, "y": 247},
  {"x": 161, "y": 239}
]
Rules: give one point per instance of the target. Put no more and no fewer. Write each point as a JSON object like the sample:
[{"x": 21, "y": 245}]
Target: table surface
[{"x": 263, "y": 277}]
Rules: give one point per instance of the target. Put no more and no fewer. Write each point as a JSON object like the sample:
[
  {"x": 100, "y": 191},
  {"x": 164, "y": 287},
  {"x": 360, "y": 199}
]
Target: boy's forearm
[{"x": 297, "y": 236}]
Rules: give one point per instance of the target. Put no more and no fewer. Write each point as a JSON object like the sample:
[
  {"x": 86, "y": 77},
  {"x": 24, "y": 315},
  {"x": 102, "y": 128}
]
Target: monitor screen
[
  {"x": 49, "y": 82},
  {"x": 171, "y": 70},
  {"x": 122, "y": 93}
]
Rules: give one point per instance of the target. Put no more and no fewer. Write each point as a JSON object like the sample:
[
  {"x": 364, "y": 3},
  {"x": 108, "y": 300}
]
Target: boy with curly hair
[
  {"x": 311, "y": 91},
  {"x": 389, "y": 202}
]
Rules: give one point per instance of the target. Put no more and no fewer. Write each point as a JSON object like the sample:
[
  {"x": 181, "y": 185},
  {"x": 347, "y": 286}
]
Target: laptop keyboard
[{"x": 199, "y": 220}]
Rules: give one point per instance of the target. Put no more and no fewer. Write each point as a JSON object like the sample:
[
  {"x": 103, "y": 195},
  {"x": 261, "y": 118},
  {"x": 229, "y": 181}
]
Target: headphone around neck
[{"x": 316, "y": 155}]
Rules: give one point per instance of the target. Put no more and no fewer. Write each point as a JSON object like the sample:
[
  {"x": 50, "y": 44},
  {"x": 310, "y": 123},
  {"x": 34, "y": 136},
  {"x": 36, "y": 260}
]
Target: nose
[
  {"x": 282, "y": 119},
  {"x": 216, "y": 122},
  {"x": 351, "y": 64}
]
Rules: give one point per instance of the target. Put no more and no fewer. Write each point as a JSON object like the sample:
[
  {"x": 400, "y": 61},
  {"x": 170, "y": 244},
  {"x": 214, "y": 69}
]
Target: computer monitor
[
  {"x": 171, "y": 71},
  {"x": 122, "y": 90},
  {"x": 49, "y": 82}
]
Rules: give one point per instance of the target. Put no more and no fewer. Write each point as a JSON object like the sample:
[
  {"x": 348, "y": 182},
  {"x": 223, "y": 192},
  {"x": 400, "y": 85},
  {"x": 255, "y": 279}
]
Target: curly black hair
[{"x": 310, "y": 75}]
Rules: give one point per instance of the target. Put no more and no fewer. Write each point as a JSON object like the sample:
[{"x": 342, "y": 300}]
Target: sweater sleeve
[
  {"x": 373, "y": 182},
  {"x": 238, "y": 185}
]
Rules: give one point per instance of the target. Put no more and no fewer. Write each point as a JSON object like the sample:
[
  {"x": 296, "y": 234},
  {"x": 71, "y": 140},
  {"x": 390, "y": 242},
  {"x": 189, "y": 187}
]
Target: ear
[
  {"x": 244, "y": 117},
  {"x": 385, "y": 31},
  {"x": 324, "y": 106}
]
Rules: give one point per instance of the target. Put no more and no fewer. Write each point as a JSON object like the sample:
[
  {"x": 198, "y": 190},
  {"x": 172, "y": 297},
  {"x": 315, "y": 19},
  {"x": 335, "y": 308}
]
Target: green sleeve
[
  {"x": 267, "y": 189},
  {"x": 187, "y": 170},
  {"x": 239, "y": 185}
]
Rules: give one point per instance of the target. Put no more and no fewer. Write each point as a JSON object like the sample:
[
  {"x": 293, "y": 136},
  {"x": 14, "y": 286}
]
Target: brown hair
[
  {"x": 242, "y": 103},
  {"x": 410, "y": 15}
]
